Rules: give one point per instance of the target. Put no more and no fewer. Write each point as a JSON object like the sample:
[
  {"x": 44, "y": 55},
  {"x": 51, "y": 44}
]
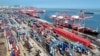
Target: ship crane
[
  {"x": 81, "y": 18},
  {"x": 60, "y": 19},
  {"x": 63, "y": 19}
]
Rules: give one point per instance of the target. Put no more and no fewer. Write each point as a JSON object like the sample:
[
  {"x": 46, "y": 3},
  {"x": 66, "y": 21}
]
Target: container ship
[{"x": 62, "y": 21}]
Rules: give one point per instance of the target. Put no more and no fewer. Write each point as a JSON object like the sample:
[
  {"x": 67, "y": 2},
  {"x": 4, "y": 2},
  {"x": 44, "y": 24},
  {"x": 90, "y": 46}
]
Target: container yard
[{"x": 24, "y": 33}]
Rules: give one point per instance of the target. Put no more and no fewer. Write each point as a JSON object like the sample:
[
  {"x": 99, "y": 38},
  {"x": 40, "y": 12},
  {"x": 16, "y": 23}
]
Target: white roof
[
  {"x": 75, "y": 16},
  {"x": 20, "y": 27},
  {"x": 53, "y": 16},
  {"x": 30, "y": 10},
  {"x": 60, "y": 17},
  {"x": 66, "y": 21},
  {"x": 44, "y": 10}
]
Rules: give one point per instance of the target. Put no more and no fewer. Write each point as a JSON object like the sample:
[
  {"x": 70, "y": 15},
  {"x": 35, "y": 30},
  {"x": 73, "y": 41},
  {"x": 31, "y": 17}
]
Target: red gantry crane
[{"x": 31, "y": 11}]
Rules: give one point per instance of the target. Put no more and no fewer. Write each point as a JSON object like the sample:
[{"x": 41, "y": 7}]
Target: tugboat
[{"x": 88, "y": 13}]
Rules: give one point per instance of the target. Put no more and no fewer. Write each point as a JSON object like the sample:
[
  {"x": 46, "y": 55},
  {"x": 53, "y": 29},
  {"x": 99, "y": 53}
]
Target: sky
[{"x": 80, "y": 4}]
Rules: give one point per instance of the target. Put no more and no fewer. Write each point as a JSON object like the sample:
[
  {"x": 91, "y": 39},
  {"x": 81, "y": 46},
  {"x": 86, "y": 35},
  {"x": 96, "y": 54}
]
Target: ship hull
[{"x": 83, "y": 30}]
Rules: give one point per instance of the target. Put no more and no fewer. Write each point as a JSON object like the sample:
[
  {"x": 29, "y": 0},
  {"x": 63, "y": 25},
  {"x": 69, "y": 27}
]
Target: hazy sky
[{"x": 85, "y": 4}]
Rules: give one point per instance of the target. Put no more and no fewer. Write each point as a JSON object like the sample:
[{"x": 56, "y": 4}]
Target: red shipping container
[{"x": 72, "y": 36}]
